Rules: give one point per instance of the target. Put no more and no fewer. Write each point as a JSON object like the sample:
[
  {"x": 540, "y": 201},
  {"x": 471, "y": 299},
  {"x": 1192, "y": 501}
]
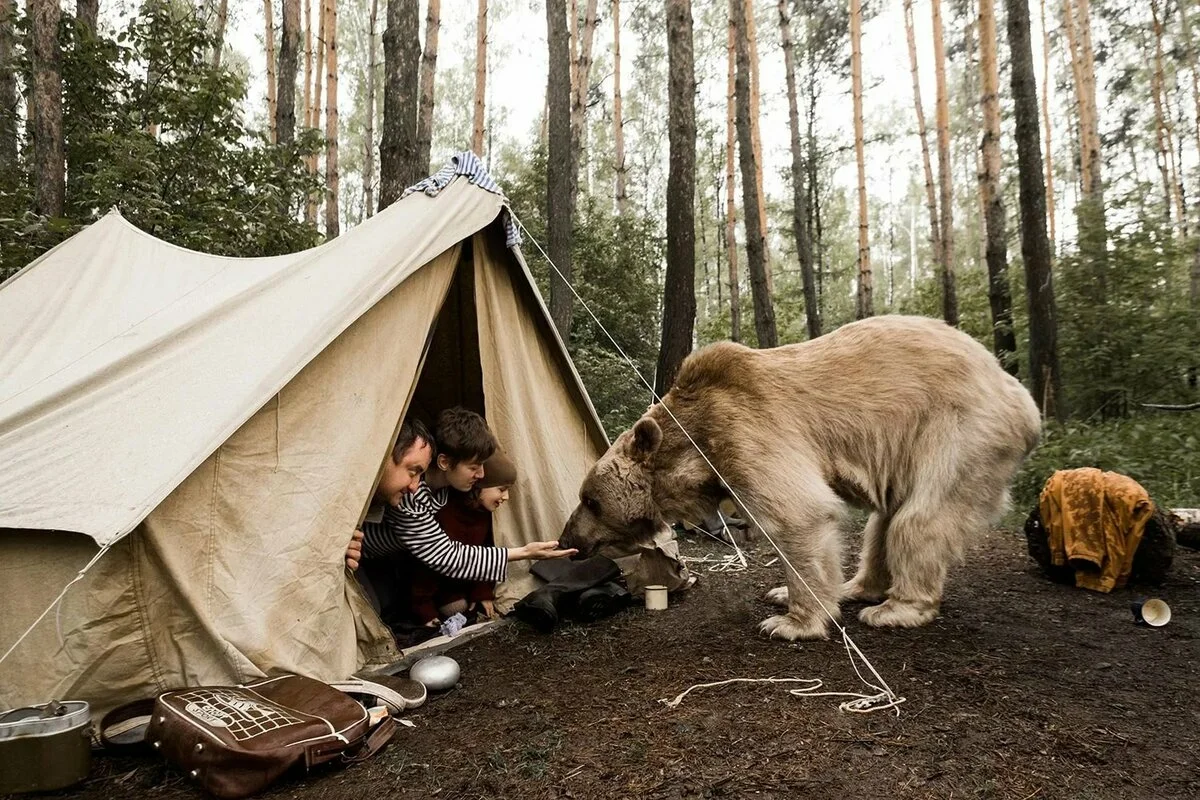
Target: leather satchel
[{"x": 235, "y": 740}]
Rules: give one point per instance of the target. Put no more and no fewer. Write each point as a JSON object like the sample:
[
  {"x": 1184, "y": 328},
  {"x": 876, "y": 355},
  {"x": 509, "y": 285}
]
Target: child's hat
[{"x": 499, "y": 470}]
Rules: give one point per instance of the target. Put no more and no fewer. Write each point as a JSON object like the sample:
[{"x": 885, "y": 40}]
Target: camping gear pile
[{"x": 1099, "y": 531}]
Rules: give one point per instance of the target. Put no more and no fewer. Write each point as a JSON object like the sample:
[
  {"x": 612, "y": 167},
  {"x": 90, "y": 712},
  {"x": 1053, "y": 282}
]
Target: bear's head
[{"x": 616, "y": 502}]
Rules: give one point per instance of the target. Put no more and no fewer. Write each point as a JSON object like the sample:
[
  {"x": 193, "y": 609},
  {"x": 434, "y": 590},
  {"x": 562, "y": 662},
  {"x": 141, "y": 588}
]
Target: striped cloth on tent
[{"x": 468, "y": 165}]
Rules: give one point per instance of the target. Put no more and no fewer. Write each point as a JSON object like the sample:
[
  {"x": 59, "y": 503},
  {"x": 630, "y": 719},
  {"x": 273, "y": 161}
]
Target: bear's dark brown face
[{"x": 616, "y": 504}]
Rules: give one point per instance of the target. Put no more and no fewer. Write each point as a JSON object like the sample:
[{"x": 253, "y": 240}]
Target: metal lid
[{"x": 28, "y": 721}]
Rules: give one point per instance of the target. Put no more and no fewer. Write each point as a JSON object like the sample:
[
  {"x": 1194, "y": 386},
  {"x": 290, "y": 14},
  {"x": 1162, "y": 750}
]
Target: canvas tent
[{"x": 214, "y": 426}]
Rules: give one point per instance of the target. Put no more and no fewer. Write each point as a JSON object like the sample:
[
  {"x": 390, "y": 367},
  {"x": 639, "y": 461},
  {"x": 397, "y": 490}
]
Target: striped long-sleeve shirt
[{"x": 411, "y": 526}]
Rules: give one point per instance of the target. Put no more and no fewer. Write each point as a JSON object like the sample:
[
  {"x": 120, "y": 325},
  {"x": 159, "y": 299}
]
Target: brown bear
[{"x": 903, "y": 416}]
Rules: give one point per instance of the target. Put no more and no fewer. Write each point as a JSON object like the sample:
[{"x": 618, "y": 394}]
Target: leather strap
[
  {"x": 124, "y": 728},
  {"x": 375, "y": 741},
  {"x": 396, "y": 702}
]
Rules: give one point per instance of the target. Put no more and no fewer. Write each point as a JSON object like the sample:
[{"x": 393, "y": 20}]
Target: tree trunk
[
  {"x": 560, "y": 166},
  {"x": 369, "y": 139},
  {"x": 679, "y": 288},
  {"x": 308, "y": 64},
  {"x": 935, "y": 238},
  {"x": 332, "y": 223},
  {"x": 433, "y": 21},
  {"x": 219, "y": 40},
  {"x": 398, "y": 158},
  {"x": 756, "y": 139},
  {"x": 289, "y": 62},
  {"x": 45, "y": 116},
  {"x": 812, "y": 310},
  {"x": 583, "y": 79},
  {"x": 735, "y": 309},
  {"x": 1045, "y": 378},
  {"x": 1163, "y": 107},
  {"x": 865, "y": 296},
  {"x": 314, "y": 113},
  {"x": 1162, "y": 152},
  {"x": 87, "y": 12},
  {"x": 269, "y": 17},
  {"x": 1186, "y": 29},
  {"x": 1046, "y": 125},
  {"x": 481, "y": 23},
  {"x": 764, "y": 312},
  {"x": 946, "y": 197},
  {"x": 1093, "y": 233},
  {"x": 1004, "y": 340},
  {"x": 8, "y": 98},
  {"x": 618, "y": 121}
]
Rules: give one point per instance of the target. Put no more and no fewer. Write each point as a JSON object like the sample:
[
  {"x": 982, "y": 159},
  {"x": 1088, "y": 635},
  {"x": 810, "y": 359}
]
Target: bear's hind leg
[
  {"x": 871, "y": 582},
  {"x": 816, "y": 554},
  {"x": 922, "y": 540}
]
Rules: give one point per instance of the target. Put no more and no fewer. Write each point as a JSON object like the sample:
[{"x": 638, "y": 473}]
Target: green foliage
[
  {"x": 1161, "y": 452},
  {"x": 616, "y": 271},
  {"x": 1135, "y": 343},
  {"x": 153, "y": 130}
]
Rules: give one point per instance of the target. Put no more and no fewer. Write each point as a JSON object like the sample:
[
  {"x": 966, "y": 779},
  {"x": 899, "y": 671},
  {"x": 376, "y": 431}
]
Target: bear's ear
[{"x": 647, "y": 436}]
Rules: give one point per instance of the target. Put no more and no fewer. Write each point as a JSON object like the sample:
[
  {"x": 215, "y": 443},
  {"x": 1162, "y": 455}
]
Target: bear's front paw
[
  {"x": 897, "y": 614},
  {"x": 778, "y": 596},
  {"x": 792, "y": 629}
]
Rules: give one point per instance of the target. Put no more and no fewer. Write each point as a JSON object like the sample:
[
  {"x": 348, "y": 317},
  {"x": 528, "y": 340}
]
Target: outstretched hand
[
  {"x": 354, "y": 550},
  {"x": 539, "y": 551}
]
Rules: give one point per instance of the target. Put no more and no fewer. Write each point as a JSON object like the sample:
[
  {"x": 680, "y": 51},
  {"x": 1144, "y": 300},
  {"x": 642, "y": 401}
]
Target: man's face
[
  {"x": 463, "y": 475},
  {"x": 405, "y": 476}
]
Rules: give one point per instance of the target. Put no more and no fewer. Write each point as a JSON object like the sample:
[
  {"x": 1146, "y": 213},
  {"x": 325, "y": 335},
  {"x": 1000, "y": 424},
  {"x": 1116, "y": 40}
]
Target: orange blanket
[{"x": 1095, "y": 522}]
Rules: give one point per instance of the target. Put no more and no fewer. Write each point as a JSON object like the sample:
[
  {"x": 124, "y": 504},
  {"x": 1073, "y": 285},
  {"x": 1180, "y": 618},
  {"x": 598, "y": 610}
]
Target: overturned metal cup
[{"x": 1151, "y": 611}]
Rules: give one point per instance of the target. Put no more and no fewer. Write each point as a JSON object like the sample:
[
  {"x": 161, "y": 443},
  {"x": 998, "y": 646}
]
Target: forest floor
[{"x": 1021, "y": 689}]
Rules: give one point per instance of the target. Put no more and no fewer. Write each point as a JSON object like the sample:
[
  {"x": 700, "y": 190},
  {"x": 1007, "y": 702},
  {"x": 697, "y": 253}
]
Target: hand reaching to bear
[{"x": 538, "y": 551}]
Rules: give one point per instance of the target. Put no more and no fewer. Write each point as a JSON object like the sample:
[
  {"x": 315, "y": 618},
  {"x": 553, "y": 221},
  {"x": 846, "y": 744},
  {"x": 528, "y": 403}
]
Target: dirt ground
[{"x": 1021, "y": 689}]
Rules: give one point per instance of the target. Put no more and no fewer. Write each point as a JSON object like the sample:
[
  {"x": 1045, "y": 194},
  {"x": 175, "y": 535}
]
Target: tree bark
[
  {"x": 1163, "y": 108},
  {"x": 272, "y": 102},
  {"x": 332, "y": 212},
  {"x": 8, "y": 97},
  {"x": 679, "y": 288},
  {"x": 1045, "y": 378},
  {"x": 481, "y": 23},
  {"x": 583, "y": 79},
  {"x": 45, "y": 114},
  {"x": 1004, "y": 340},
  {"x": 946, "y": 195},
  {"x": 1194, "y": 68},
  {"x": 622, "y": 197},
  {"x": 433, "y": 21},
  {"x": 812, "y": 309},
  {"x": 314, "y": 199},
  {"x": 560, "y": 167},
  {"x": 756, "y": 138},
  {"x": 369, "y": 143},
  {"x": 735, "y": 300},
  {"x": 1047, "y": 127},
  {"x": 219, "y": 41},
  {"x": 289, "y": 62},
  {"x": 398, "y": 158},
  {"x": 308, "y": 64},
  {"x": 865, "y": 296},
  {"x": 764, "y": 312},
  {"x": 935, "y": 237},
  {"x": 86, "y": 13}
]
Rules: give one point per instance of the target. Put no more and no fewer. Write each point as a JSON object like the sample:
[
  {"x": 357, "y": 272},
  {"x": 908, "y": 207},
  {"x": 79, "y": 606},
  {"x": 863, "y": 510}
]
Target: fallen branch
[{"x": 1167, "y": 407}]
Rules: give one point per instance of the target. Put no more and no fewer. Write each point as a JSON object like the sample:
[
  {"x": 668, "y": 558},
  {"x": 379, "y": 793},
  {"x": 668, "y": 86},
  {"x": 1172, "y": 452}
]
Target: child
[{"x": 466, "y": 518}]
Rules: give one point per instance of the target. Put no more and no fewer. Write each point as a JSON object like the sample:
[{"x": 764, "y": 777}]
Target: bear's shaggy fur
[{"x": 904, "y": 416}]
